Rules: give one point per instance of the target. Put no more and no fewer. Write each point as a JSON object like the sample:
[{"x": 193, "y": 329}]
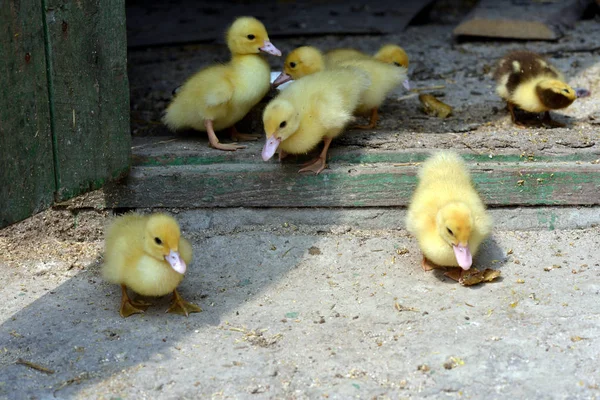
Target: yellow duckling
[
  {"x": 383, "y": 77},
  {"x": 302, "y": 61},
  {"x": 336, "y": 56},
  {"x": 218, "y": 96},
  {"x": 312, "y": 109},
  {"x": 527, "y": 81},
  {"x": 446, "y": 214},
  {"x": 147, "y": 254},
  {"x": 392, "y": 54},
  {"x": 389, "y": 54}
]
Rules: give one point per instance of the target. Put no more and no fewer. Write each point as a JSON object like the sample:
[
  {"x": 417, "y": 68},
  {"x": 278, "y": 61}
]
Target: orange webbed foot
[
  {"x": 182, "y": 307},
  {"x": 454, "y": 274},
  {"x": 372, "y": 122},
  {"x": 242, "y": 137},
  {"x": 427, "y": 265},
  {"x": 129, "y": 307},
  {"x": 317, "y": 165}
]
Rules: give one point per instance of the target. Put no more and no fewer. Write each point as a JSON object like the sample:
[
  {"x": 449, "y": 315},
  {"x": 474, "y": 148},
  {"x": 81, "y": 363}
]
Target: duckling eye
[
  {"x": 397, "y": 64},
  {"x": 450, "y": 231},
  {"x": 251, "y": 37},
  {"x": 566, "y": 90},
  {"x": 292, "y": 65},
  {"x": 283, "y": 124},
  {"x": 157, "y": 241}
]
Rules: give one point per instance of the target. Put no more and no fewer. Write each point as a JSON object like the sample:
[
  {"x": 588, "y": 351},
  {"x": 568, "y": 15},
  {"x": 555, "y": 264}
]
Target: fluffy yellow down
[{"x": 446, "y": 199}]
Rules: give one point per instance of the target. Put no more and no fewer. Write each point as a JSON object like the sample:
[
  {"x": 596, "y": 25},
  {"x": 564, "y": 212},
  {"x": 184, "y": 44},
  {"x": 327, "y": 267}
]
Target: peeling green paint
[
  {"x": 267, "y": 185},
  {"x": 359, "y": 158},
  {"x": 548, "y": 218}
]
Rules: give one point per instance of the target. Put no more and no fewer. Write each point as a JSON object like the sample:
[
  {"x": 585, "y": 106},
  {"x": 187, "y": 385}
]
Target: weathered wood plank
[
  {"x": 89, "y": 92},
  {"x": 26, "y": 162},
  {"x": 153, "y": 23},
  {"x": 190, "y": 149},
  {"x": 346, "y": 185},
  {"x": 533, "y": 20}
]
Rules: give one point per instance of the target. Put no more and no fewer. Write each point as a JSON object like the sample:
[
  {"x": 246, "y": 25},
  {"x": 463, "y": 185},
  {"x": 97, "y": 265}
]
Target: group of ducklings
[
  {"x": 446, "y": 214},
  {"x": 147, "y": 254},
  {"x": 315, "y": 108},
  {"x": 329, "y": 89}
]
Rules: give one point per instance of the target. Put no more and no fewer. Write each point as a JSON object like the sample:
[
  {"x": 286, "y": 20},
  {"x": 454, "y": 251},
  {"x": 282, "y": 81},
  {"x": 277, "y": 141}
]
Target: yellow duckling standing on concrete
[
  {"x": 147, "y": 254},
  {"x": 446, "y": 214}
]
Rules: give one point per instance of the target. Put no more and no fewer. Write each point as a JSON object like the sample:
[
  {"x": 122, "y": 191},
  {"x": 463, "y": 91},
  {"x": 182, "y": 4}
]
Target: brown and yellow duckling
[{"x": 527, "y": 81}]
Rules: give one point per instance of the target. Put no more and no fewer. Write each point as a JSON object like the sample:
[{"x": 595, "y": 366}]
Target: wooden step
[{"x": 169, "y": 172}]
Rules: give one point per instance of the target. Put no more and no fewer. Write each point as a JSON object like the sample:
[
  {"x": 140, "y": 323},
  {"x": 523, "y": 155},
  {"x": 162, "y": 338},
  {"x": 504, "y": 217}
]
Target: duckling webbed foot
[
  {"x": 282, "y": 155},
  {"x": 317, "y": 165},
  {"x": 214, "y": 141},
  {"x": 547, "y": 120},
  {"x": 511, "y": 109},
  {"x": 182, "y": 307},
  {"x": 320, "y": 163},
  {"x": 372, "y": 122},
  {"x": 454, "y": 274},
  {"x": 428, "y": 265},
  {"x": 129, "y": 307},
  {"x": 242, "y": 137}
]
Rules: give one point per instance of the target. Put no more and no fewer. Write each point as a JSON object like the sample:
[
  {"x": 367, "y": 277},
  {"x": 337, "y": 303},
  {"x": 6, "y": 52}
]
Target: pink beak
[
  {"x": 281, "y": 79},
  {"x": 176, "y": 262},
  {"x": 463, "y": 256},
  {"x": 270, "y": 147},
  {"x": 270, "y": 49},
  {"x": 406, "y": 84}
]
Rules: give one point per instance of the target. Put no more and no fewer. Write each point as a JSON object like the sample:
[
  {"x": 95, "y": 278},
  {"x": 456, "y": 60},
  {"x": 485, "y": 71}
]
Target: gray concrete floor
[{"x": 302, "y": 304}]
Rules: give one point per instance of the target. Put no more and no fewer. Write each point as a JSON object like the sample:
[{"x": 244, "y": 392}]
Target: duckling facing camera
[
  {"x": 446, "y": 214},
  {"x": 313, "y": 109},
  {"x": 147, "y": 254}
]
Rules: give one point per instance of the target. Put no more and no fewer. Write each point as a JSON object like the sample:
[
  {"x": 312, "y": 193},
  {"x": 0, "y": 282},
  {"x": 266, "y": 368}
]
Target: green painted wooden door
[{"x": 64, "y": 105}]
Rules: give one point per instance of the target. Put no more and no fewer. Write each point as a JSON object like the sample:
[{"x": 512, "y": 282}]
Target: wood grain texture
[
  {"x": 89, "y": 92},
  {"x": 522, "y": 20},
  {"x": 346, "y": 184},
  {"x": 26, "y": 163}
]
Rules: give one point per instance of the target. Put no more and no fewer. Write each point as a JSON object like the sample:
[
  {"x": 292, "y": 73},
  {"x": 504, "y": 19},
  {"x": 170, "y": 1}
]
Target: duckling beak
[
  {"x": 406, "y": 84},
  {"x": 176, "y": 262},
  {"x": 270, "y": 147},
  {"x": 269, "y": 48},
  {"x": 463, "y": 256},
  {"x": 281, "y": 79},
  {"x": 581, "y": 92}
]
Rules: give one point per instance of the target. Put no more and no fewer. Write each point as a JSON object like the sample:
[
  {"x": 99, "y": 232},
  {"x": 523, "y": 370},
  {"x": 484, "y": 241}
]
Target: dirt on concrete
[
  {"x": 315, "y": 305},
  {"x": 322, "y": 303},
  {"x": 55, "y": 242}
]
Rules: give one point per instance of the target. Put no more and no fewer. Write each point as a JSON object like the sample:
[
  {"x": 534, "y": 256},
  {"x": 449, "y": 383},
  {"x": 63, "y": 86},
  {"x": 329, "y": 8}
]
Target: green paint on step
[
  {"x": 547, "y": 218},
  {"x": 356, "y": 158},
  {"x": 293, "y": 314},
  {"x": 178, "y": 160},
  {"x": 377, "y": 185}
]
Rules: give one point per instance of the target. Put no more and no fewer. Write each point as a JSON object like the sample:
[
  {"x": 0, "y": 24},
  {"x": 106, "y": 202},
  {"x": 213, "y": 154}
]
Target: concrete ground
[
  {"x": 305, "y": 304},
  {"x": 327, "y": 303}
]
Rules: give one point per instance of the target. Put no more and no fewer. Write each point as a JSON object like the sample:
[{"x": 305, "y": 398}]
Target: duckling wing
[
  {"x": 218, "y": 92},
  {"x": 210, "y": 87},
  {"x": 331, "y": 111}
]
